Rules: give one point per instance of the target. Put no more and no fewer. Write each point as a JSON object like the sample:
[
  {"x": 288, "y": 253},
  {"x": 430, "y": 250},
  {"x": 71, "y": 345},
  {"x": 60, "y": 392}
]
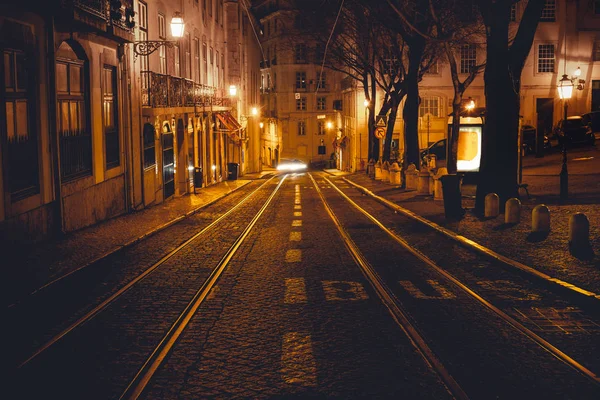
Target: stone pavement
[
  {"x": 29, "y": 267},
  {"x": 549, "y": 255}
]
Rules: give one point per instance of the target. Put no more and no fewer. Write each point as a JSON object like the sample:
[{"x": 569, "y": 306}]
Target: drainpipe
[{"x": 53, "y": 127}]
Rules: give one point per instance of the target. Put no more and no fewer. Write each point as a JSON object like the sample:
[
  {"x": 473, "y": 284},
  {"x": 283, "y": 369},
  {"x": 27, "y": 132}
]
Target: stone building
[
  {"x": 104, "y": 112},
  {"x": 301, "y": 101}
]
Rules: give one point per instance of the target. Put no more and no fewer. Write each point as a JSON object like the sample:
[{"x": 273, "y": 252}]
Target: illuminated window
[
  {"x": 431, "y": 105},
  {"x": 468, "y": 58},
  {"x": 302, "y": 128},
  {"x": 110, "y": 117},
  {"x": 300, "y": 80},
  {"x": 321, "y": 127},
  {"x": 546, "y": 58},
  {"x": 549, "y": 11}
]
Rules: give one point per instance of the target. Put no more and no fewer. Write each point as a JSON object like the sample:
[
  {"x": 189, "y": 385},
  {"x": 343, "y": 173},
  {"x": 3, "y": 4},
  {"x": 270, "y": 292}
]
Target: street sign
[
  {"x": 297, "y": 96},
  {"x": 381, "y": 121},
  {"x": 380, "y": 132}
]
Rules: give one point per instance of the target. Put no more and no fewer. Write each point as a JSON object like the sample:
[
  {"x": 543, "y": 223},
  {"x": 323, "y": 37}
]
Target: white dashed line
[
  {"x": 295, "y": 291},
  {"x": 295, "y": 236},
  {"x": 293, "y": 255},
  {"x": 298, "y": 366},
  {"x": 344, "y": 291},
  {"x": 444, "y": 293}
]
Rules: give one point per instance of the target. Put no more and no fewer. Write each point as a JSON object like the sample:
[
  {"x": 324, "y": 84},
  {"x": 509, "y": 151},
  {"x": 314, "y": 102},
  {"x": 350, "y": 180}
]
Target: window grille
[
  {"x": 549, "y": 11},
  {"x": 546, "y": 58},
  {"x": 468, "y": 58},
  {"x": 301, "y": 128},
  {"x": 301, "y": 104}
]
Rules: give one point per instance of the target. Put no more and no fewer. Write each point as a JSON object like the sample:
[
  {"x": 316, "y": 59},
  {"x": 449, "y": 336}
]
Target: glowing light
[
  {"x": 177, "y": 25},
  {"x": 191, "y": 168},
  {"x": 577, "y": 72},
  {"x": 366, "y": 103},
  {"x": 214, "y": 167},
  {"x": 254, "y": 111},
  {"x": 470, "y": 105},
  {"x": 262, "y": 125},
  {"x": 565, "y": 88},
  {"x": 232, "y": 90},
  {"x": 329, "y": 125}
]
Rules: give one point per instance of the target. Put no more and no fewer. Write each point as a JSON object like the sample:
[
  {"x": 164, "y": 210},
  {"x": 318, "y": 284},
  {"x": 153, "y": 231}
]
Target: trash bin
[
  {"x": 452, "y": 197},
  {"x": 232, "y": 171},
  {"x": 198, "y": 178}
]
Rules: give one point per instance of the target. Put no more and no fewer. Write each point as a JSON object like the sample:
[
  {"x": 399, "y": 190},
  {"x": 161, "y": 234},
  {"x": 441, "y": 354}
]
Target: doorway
[
  {"x": 595, "y": 95},
  {"x": 168, "y": 162}
]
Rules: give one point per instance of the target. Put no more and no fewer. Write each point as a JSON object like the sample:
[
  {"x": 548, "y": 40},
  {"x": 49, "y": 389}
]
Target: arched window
[{"x": 72, "y": 94}]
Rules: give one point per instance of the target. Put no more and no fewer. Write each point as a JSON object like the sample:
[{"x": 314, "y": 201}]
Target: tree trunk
[
  {"x": 411, "y": 105},
  {"x": 498, "y": 170},
  {"x": 387, "y": 144},
  {"x": 452, "y": 148}
]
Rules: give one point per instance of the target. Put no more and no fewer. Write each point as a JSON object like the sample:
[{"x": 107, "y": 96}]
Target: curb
[
  {"x": 580, "y": 293},
  {"x": 129, "y": 243}
]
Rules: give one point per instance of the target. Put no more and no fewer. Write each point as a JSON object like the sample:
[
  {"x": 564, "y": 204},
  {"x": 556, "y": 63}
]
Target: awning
[{"x": 232, "y": 126}]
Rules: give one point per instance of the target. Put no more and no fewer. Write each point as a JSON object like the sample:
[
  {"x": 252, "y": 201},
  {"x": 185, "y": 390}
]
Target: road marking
[
  {"x": 297, "y": 222},
  {"x": 297, "y": 213},
  {"x": 508, "y": 290},
  {"x": 295, "y": 236},
  {"x": 293, "y": 255},
  {"x": 444, "y": 293},
  {"x": 567, "y": 320},
  {"x": 298, "y": 366},
  {"x": 343, "y": 291},
  {"x": 295, "y": 291},
  {"x": 297, "y": 187},
  {"x": 297, "y": 201},
  {"x": 297, "y": 207}
]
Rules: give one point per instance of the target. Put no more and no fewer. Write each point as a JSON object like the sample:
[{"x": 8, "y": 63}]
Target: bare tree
[{"x": 506, "y": 55}]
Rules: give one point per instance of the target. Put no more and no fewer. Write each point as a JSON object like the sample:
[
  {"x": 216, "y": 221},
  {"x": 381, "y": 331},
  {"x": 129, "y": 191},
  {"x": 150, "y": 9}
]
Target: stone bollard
[
  {"x": 411, "y": 176},
  {"x": 438, "y": 193},
  {"x": 423, "y": 182},
  {"x": 540, "y": 219},
  {"x": 395, "y": 175},
  {"x": 385, "y": 171},
  {"x": 492, "y": 205},
  {"x": 371, "y": 169},
  {"x": 512, "y": 211},
  {"x": 378, "y": 170},
  {"x": 579, "y": 231}
]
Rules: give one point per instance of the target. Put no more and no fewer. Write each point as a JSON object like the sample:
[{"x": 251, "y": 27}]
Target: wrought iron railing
[
  {"x": 114, "y": 12},
  {"x": 159, "y": 90}
]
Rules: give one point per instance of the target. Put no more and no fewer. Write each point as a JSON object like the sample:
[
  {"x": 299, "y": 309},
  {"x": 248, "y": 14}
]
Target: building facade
[
  {"x": 567, "y": 38},
  {"x": 105, "y": 112},
  {"x": 301, "y": 101}
]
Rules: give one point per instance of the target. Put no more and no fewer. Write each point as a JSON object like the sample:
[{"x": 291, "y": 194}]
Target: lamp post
[
  {"x": 366, "y": 104},
  {"x": 147, "y": 47},
  {"x": 565, "y": 91}
]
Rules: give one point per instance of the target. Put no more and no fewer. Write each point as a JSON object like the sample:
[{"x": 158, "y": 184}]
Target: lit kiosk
[{"x": 468, "y": 158}]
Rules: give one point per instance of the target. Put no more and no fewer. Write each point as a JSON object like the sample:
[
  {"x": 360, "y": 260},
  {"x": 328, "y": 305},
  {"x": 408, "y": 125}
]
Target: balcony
[
  {"x": 160, "y": 90},
  {"x": 115, "y": 18}
]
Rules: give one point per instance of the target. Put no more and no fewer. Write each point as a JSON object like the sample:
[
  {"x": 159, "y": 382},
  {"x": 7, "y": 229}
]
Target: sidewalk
[
  {"x": 28, "y": 269},
  {"x": 550, "y": 255}
]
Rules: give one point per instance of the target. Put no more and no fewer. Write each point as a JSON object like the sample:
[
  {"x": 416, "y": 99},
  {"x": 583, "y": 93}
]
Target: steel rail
[
  {"x": 556, "y": 352},
  {"x": 153, "y": 362},
  {"x": 104, "y": 304},
  {"x": 392, "y": 304}
]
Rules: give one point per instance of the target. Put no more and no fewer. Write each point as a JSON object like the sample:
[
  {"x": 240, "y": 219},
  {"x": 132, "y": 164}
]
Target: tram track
[
  {"x": 205, "y": 278},
  {"x": 493, "y": 306}
]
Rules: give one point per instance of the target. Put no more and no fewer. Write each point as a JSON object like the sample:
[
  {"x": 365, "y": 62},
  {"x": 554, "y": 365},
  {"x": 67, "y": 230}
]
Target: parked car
[
  {"x": 592, "y": 119},
  {"x": 528, "y": 133},
  {"x": 438, "y": 149},
  {"x": 574, "y": 130}
]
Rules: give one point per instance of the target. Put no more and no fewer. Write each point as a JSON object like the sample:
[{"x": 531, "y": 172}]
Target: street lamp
[
  {"x": 147, "y": 47},
  {"x": 565, "y": 91},
  {"x": 232, "y": 90}
]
